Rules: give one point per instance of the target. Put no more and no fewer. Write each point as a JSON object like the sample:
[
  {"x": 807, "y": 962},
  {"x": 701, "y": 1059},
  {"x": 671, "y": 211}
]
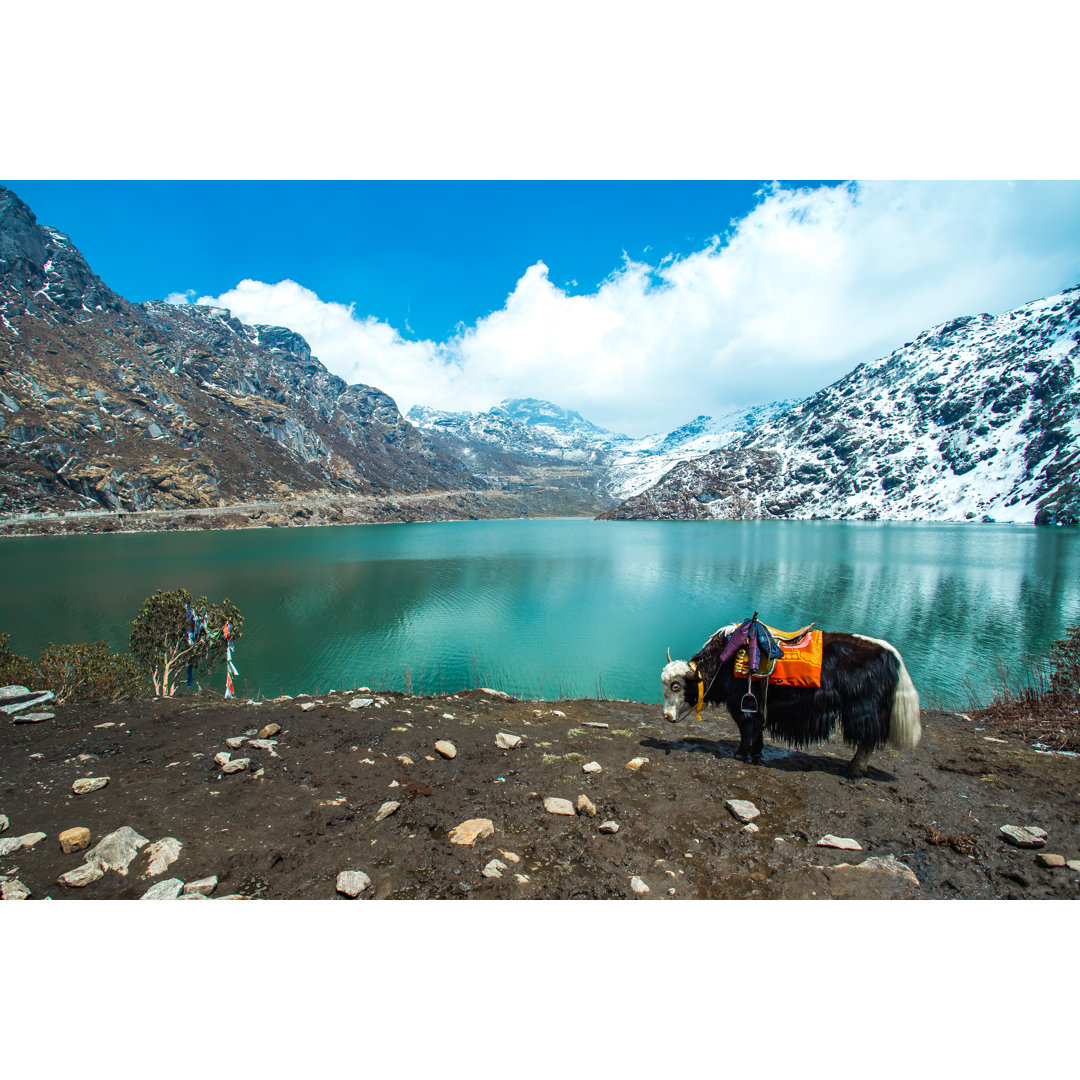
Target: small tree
[
  {"x": 172, "y": 631},
  {"x": 88, "y": 673},
  {"x": 1065, "y": 663},
  {"x": 14, "y": 669}
]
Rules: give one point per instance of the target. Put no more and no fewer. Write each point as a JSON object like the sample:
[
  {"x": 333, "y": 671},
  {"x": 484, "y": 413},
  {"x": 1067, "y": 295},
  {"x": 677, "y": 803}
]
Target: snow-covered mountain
[
  {"x": 529, "y": 432},
  {"x": 976, "y": 419}
]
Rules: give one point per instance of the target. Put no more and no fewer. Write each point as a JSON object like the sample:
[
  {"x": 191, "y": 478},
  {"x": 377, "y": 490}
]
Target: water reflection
[{"x": 559, "y": 607}]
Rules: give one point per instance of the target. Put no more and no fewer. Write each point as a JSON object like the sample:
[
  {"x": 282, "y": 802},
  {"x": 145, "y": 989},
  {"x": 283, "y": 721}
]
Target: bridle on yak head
[{"x": 700, "y": 686}]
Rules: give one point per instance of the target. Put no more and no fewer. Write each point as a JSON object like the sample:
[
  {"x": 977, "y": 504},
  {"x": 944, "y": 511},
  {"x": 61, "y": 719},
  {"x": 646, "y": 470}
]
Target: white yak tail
[{"x": 905, "y": 728}]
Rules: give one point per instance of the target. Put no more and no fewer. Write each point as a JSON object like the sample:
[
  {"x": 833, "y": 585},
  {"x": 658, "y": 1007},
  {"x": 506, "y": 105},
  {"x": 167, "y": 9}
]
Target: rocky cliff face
[
  {"x": 137, "y": 406},
  {"x": 976, "y": 419}
]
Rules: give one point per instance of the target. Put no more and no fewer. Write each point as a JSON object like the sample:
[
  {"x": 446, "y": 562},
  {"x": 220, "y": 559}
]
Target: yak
[{"x": 865, "y": 688}]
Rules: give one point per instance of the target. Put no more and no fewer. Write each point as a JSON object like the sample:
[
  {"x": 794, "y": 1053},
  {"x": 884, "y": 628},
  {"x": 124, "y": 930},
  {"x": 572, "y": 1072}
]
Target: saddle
[{"x": 784, "y": 658}]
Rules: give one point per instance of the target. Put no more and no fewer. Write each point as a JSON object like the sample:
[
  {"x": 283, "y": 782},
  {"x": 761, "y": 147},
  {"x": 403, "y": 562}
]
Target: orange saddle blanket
[{"x": 799, "y": 666}]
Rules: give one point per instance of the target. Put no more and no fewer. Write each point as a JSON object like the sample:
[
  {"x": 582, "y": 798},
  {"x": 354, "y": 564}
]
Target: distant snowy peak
[
  {"x": 976, "y": 418},
  {"x": 534, "y": 412}
]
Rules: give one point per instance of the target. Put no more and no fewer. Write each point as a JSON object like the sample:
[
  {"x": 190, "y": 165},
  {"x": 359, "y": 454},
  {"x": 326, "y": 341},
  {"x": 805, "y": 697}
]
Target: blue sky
[
  {"x": 422, "y": 255},
  {"x": 640, "y": 304}
]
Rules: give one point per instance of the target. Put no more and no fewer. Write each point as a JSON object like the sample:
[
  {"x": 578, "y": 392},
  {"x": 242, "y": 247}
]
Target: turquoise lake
[{"x": 558, "y": 608}]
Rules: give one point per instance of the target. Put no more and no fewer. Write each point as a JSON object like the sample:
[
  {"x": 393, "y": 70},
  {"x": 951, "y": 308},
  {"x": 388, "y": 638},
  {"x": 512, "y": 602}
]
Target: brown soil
[{"x": 288, "y": 830}]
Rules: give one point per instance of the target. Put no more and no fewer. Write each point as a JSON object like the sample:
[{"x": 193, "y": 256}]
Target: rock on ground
[
  {"x": 1029, "y": 836},
  {"x": 352, "y": 883},
  {"x": 164, "y": 890},
  {"x": 14, "y": 889},
  {"x": 83, "y": 875},
  {"x": 115, "y": 851},
  {"x": 507, "y": 742},
  {"x": 88, "y": 784},
  {"x": 386, "y": 810},
  {"x": 609, "y": 826},
  {"x": 162, "y": 855},
  {"x": 639, "y": 886},
  {"x": 559, "y": 806},
  {"x": 591, "y": 767},
  {"x": 203, "y": 887},
  {"x": 495, "y": 868},
  {"x": 844, "y": 843},
  {"x": 743, "y": 809},
  {"x": 446, "y": 748},
  {"x": 585, "y": 805},
  {"x": 468, "y": 832},
  {"x": 74, "y": 839}
]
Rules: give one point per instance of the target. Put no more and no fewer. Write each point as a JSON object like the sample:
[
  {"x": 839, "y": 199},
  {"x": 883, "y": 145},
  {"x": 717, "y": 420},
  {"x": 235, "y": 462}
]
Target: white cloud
[{"x": 806, "y": 286}]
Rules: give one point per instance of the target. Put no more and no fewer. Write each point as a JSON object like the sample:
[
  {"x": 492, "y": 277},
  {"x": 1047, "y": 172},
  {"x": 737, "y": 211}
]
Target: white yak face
[{"x": 674, "y": 680}]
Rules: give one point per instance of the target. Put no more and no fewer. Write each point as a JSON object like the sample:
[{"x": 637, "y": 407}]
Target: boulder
[
  {"x": 115, "y": 851},
  {"x": 82, "y": 875},
  {"x": 13, "y": 889},
  {"x": 559, "y": 806},
  {"x": 162, "y": 855},
  {"x": 842, "y": 842},
  {"x": 468, "y": 832},
  {"x": 88, "y": 784},
  {"x": 591, "y": 767},
  {"x": 506, "y": 741},
  {"x": 164, "y": 890},
  {"x": 352, "y": 883},
  {"x": 74, "y": 839},
  {"x": 203, "y": 887},
  {"x": 361, "y": 702},
  {"x": 1026, "y": 836},
  {"x": 1044, "y": 858},
  {"x": 743, "y": 809}
]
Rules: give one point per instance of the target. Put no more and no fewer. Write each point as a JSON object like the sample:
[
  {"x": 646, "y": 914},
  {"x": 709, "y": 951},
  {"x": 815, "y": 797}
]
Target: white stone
[
  {"x": 34, "y": 717},
  {"x": 592, "y": 767},
  {"x": 585, "y": 805},
  {"x": 352, "y": 882},
  {"x": 31, "y": 838},
  {"x": 609, "y": 826},
  {"x": 361, "y": 702},
  {"x": 594, "y": 723},
  {"x": 237, "y": 765},
  {"x": 386, "y": 810},
  {"x": 9, "y": 845},
  {"x": 404, "y": 759},
  {"x": 842, "y": 842},
  {"x": 164, "y": 890},
  {"x": 887, "y": 864},
  {"x": 743, "y": 809},
  {"x": 4, "y": 823},
  {"x": 82, "y": 875},
  {"x": 750, "y": 827},
  {"x": 468, "y": 832},
  {"x": 512, "y": 856},
  {"x": 265, "y": 744},
  {"x": 162, "y": 855},
  {"x": 222, "y": 758},
  {"x": 639, "y": 886},
  {"x": 495, "y": 693},
  {"x": 14, "y": 890},
  {"x": 521, "y": 879},
  {"x": 506, "y": 741},
  {"x": 446, "y": 748},
  {"x": 88, "y": 784},
  {"x": 559, "y": 806},
  {"x": 495, "y": 868},
  {"x": 637, "y": 763},
  {"x": 203, "y": 887},
  {"x": 307, "y": 705},
  {"x": 1028, "y": 836},
  {"x": 235, "y": 742},
  {"x": 116, "y": 850}
]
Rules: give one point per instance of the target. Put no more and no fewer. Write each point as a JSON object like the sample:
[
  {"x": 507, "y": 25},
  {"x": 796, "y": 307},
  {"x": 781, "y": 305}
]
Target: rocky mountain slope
[
  {"x": 976, "y": 419},
  {"x": 105, "y": 403}
]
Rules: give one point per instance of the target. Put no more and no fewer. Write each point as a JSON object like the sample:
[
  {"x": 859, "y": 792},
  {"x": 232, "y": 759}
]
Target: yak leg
[
  {"x": 861, "y": 761},
  {"x": 757, "y": 745},
  {"x": 746, "y": 727}
]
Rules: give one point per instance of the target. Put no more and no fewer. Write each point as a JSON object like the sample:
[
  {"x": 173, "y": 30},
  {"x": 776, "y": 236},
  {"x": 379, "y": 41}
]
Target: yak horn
[{"x": 669, "y": 654}]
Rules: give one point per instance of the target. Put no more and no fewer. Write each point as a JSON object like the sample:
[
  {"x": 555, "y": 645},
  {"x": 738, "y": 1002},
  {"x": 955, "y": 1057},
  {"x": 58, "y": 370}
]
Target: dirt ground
[{"x": 305, "y": 808}]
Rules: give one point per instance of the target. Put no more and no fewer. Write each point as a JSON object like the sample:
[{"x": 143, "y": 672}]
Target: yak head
[{"x": 681, "y": 685}]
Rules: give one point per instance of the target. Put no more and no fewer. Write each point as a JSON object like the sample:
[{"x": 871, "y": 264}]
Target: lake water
[{"x": 558, "y": 608}]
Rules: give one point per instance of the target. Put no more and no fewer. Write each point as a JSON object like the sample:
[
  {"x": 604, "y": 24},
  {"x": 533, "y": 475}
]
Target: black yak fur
[{"x": 865, "y": 690}]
